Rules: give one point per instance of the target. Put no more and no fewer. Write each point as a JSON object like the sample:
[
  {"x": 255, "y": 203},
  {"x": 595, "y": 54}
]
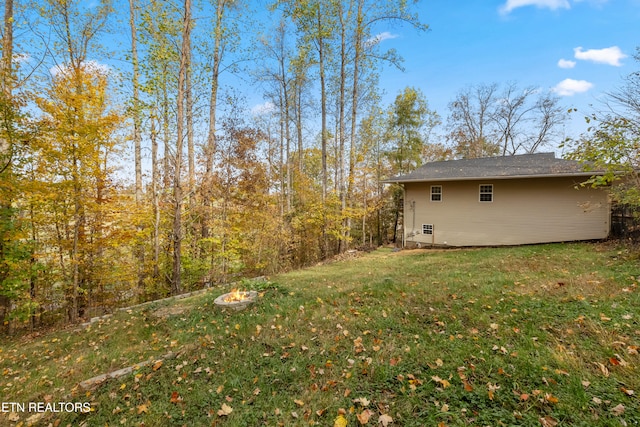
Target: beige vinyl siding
[{"x": 522, "y": 211}]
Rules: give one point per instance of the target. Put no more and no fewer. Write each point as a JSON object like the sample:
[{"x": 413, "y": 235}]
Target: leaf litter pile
[{"x": 534, "y": 336}]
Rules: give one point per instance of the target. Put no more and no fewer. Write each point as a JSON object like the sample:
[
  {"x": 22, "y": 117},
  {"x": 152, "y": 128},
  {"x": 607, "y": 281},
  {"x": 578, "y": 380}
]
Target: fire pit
[{"x": 237, "y": 300}]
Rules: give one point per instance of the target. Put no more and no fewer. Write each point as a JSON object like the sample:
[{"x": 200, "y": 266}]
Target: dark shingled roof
[{"x": 507, "y": 167}]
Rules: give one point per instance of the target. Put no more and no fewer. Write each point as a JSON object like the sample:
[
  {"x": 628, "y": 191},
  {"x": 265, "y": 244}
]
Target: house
[{"x": 513, "y": 200}]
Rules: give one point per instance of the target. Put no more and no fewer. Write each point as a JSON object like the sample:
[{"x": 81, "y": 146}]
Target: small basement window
[
  {"x": 486, "y": 193},
  {"x": 427, "y": 228},
  {"x": 436, "y": 193}
]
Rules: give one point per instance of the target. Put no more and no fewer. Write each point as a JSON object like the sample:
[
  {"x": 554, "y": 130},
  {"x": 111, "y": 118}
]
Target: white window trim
[
  {"x": 431, "y": 193},
  {"x": 425, "y": 227},
  {"x": 480, "y": 193}
]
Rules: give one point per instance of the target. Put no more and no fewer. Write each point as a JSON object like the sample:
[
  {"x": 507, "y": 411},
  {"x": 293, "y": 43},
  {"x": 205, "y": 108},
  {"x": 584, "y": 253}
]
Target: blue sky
[{"x": 580, "y": 49}]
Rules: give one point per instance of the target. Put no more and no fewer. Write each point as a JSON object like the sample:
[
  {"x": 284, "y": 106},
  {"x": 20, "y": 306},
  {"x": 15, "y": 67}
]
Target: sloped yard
[{"x": 532, "y": 336}]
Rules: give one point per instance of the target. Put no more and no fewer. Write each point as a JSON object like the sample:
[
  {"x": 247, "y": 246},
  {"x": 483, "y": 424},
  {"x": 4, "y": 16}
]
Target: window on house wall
[
  {"x": 427, "y": 228},
  {"x": 436, "y": 193},
  {"x": 486, "y": 193}
]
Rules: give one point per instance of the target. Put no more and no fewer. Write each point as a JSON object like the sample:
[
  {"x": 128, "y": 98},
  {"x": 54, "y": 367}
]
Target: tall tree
[
  {"x": 409, "y": 123},
  {"x": 77, "y": 30},
  {"x": 177, "y": 232},
  {"x": 6, "y": 86},
  {"x": 316, "y": 23},
  {"x": 470, "y": 120},
  {"x": 280, "y": 81},
  {"x": 7, "y": 109},
  {"x": 221, "y": 41},
  {"x": 160, "y": 32},
  {"x": 136, "y": 113},
  {"x": 625, "y": 101},
  {"x": 611, "y": 145},
  {"x": 524, "y": 122},
  {"x": 487, "y": 120},
  {"x": 78, "y": 142},
  {"x": 365, "y": 55}
]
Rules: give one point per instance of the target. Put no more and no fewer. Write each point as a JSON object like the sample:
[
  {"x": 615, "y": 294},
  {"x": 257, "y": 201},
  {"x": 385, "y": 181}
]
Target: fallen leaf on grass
[
  {"x": 385, "y": 420},
  {"x": 492, "y": 389},
  {"x": 363, "y": 401},
  {"x": 550, "y": 398},
  {"x": 363, "y": 417},
  {"x": 157, "y": 365},
  {"x": 340, "y": 421},
  {"x": 226, "y": 410},
  {"x": 618, "y": 410},
  {"x": 627, "y": 391},
  {"x": 299, "y": 402},
  {"x": 548, "y": 421},
  {"x": 442, "y": 382},
  {"x": 144, "y": 408},
  {"x": 603, "y": 369},
  {"x": 175, "y": 397}
]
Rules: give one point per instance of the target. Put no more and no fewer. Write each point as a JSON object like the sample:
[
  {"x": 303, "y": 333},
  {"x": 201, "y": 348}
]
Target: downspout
[
  {"x": 413, "y": 219},
  {"x": 404, "y": 222}
]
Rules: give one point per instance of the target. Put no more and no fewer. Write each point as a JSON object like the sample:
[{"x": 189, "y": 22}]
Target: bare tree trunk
[
  {"x": 323, "y": 107},
  {"x": 285, "y": 118},
  {"x": 191, "y": 156},
  {"x": 354, "y": 115},
  {"x": 6, "y": 80},
  {"x": 176, "y": 285},
  {"x": 323, "y": 127},
  {"x": 137, "y": 138},
  {"x": 78, "y": 223},
  {"x": 155, "y": 177},
  {"x": 166, "y": 176},
  {"x": 210, "y": 148}
]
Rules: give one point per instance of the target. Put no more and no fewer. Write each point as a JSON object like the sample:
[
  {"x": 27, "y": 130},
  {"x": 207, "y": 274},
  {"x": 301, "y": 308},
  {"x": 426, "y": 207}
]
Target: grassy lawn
[{"x": 531, "y": 336}]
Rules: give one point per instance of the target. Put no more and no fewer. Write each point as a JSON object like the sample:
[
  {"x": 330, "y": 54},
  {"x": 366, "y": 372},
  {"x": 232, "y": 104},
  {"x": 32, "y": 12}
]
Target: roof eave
[{"x": 477, "y": 178}]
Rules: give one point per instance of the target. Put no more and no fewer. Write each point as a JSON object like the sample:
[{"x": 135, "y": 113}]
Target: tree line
[{"x": 132, "y": 167}]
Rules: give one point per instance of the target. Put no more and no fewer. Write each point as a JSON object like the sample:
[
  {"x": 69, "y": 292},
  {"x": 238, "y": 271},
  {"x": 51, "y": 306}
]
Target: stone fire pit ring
[{"x": 227, "y": 300}]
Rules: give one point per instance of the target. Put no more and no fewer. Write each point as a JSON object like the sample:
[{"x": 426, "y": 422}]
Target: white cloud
[
  {"x": 549, "y": 4},
  {"x": 610, "y": 55},
  {"x": 264, "y": 108},
  {"x": 569, "y": 87},
  {"x": 93, "y": 66},
  {"x": 378, "y": 38},
  {"x": 565, "y": 63}
]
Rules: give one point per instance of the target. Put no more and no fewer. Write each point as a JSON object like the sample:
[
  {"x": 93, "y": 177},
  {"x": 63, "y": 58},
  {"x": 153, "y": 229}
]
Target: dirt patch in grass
[{"x": 168, "y": 311}]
